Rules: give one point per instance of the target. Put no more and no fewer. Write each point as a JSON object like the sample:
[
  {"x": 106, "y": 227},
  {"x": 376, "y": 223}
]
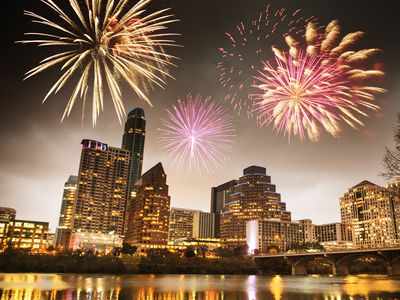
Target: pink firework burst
[
  {"x": 246, "y": 49},
  {"x": 304, "y": 92},
  {"x": 197, "y": 134}
]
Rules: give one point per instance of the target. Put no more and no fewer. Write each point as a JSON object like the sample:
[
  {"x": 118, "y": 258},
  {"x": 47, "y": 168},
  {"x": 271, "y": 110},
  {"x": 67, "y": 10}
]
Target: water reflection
[
  {"x": 196, "y": 287},
  {"x": 276, "y": 287}
]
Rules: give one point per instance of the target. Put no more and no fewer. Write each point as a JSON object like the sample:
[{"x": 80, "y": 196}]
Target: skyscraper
[
  {"x": 148, "y": 216},
  {"x": 66, "y": 212},
  {"x": 102, "y": 188},
  {"x": 220, "y": 196},
  {"x": 374, "y": 213},
  {"x": 133, "y": 140},
  {"x": 254, "y": 198}
]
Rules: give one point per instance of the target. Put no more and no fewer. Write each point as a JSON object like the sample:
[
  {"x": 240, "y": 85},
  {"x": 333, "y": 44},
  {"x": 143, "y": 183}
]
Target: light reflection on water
[{"x": 196, "y": 287}]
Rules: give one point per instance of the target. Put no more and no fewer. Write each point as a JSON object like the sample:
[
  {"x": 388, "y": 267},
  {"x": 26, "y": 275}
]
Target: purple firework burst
[{"x": 198, "y": 134}]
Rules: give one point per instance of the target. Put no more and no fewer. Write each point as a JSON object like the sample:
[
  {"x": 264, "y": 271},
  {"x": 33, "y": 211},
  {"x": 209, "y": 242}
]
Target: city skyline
[{"x": 307, "y": 174}]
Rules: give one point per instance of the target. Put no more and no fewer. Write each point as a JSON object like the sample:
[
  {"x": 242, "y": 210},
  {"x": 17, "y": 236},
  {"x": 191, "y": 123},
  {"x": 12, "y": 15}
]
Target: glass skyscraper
[
  {"x": 66, "y": 212},
  {"x": 220, "y": 196},
  {"x": 133, "y": 140}
]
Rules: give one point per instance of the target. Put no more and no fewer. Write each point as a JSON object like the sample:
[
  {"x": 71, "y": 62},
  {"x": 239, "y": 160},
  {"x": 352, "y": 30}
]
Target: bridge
[{"x": 340, "y": 260}]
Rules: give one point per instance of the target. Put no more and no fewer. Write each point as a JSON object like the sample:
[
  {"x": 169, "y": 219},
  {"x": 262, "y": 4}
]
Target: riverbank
[
  {"x": 161, "y": 263},
  {"x": 90, "y": 263}
]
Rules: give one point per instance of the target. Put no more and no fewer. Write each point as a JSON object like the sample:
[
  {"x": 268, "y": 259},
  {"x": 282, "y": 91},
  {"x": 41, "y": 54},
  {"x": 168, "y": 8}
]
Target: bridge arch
[
  {"x": 343, "y": 263},
  {"x": 299, "y": 265},
  {"x": 395, "y": 263}
]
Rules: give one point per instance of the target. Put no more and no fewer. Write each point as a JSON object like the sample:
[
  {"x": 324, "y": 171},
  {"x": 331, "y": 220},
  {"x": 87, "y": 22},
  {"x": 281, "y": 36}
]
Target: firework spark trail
[
  {"x": 198, "y": 134},
  {"x": 247, "y": 49},
  {"x": 104, "y": 45},
  {"x": 305, "y": 91}
]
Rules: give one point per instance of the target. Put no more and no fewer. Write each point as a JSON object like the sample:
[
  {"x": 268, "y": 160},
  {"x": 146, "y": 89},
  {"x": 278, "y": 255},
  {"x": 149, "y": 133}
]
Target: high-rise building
[
  {"x": 254, "y": 198},
  {"x": 133, "y": 140},
  {"x": 220, "y": 196},
  {"x": 203, "y": 225},
  {"x": 374, "y": 214},
  {"x": 394, "y": 185},
  {"x": 186, "y": 224},
  {"x": 65, "y": 221},
  {"x": 180, "y": 224},
  {"x": 7, "y": 213},
  {"x": 149, "y": 210},
  {"x": 102, "y": 189}
]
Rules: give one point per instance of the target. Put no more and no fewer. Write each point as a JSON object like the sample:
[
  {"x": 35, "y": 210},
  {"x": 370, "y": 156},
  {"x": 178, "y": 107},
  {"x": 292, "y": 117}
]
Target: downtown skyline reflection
[{"x": 196, "y": 287}]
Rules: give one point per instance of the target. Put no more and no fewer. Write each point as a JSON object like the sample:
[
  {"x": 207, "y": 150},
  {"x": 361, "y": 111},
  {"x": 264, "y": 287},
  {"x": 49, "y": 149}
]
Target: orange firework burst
[{"x": 104, "y": 43}]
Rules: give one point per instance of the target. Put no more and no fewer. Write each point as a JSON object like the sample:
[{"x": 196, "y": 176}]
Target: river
[{"x": 202, "y": 287}]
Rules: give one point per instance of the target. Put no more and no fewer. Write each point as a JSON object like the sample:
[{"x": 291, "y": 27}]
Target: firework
[
  {"x": 304, "y": 91},
  {"x": 247, "y": 49},
  {"x": 197, "y": 134},
  {"x": 101, "y": 44}
]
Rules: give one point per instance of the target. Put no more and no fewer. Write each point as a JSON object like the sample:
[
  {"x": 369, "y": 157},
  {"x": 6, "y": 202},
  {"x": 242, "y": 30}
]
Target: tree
[
  {"x": 391, "y": 159},
  {"x": 240, "y": 251},
  {"x": 190, "y": 252},
  {"x": 128, "y": 249}
]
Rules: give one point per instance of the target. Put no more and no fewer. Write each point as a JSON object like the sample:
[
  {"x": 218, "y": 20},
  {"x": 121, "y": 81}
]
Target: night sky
[{"x": 38, "y": 153}]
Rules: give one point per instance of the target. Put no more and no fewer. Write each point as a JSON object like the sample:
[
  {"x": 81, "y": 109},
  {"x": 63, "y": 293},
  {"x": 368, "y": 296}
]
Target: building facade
[
  {"x": 203, "y": 225},
  {"x": 102, "y": 190},
  {"x": 95, "y": 241},
  {"x": 220, "y": 196},
  {"x": 334, "y": 236},
  {"x": 7, "y": 213},
  {"x": 263, "y": 234},
  {"x": 309, "y": 230},
  {"x": 65, "y": 221},
  {"x": 254, "y": 198},
  {"x": 374, "y": 214},
  {"x": 148, "y": 217},
  {"x": 181, "y": 222},
  {"x": 133, "y": 141},
  {"x": 25, "y": 235}
]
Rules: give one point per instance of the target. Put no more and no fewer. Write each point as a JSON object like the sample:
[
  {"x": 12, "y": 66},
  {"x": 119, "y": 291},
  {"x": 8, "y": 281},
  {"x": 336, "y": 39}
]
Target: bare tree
[{"x": 391, "y": 159}]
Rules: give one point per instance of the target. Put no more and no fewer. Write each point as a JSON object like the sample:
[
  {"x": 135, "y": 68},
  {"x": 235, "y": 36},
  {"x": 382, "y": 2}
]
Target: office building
[
  {"x": 7, "y": 213},
  {"x": 334, "y": 236},
  {"x": 180, "y": 224},
  {"x": 133, "y": 141},
  {"x": 3, "y": 234},
  {"x": 263, "y": 234},
  {"x": 24, "y": 234},
  {"x": 148, "y": 217},
  {"x": 220, "y": 196},
  {"x": 309, "y": 231},
  {"x": 203, "y": 225},
  {"x": 65, "y": 221},
  {"x": 374, "y": 213},
  {"x": 254, "y": 198},
  {"x": 102, "y": 189},
  {"x": 394, "y": 185}
]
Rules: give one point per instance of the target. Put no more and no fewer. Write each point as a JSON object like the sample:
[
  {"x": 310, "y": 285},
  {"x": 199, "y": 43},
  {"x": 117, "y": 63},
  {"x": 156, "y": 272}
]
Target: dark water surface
[{"x": 190, "y": 287}]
